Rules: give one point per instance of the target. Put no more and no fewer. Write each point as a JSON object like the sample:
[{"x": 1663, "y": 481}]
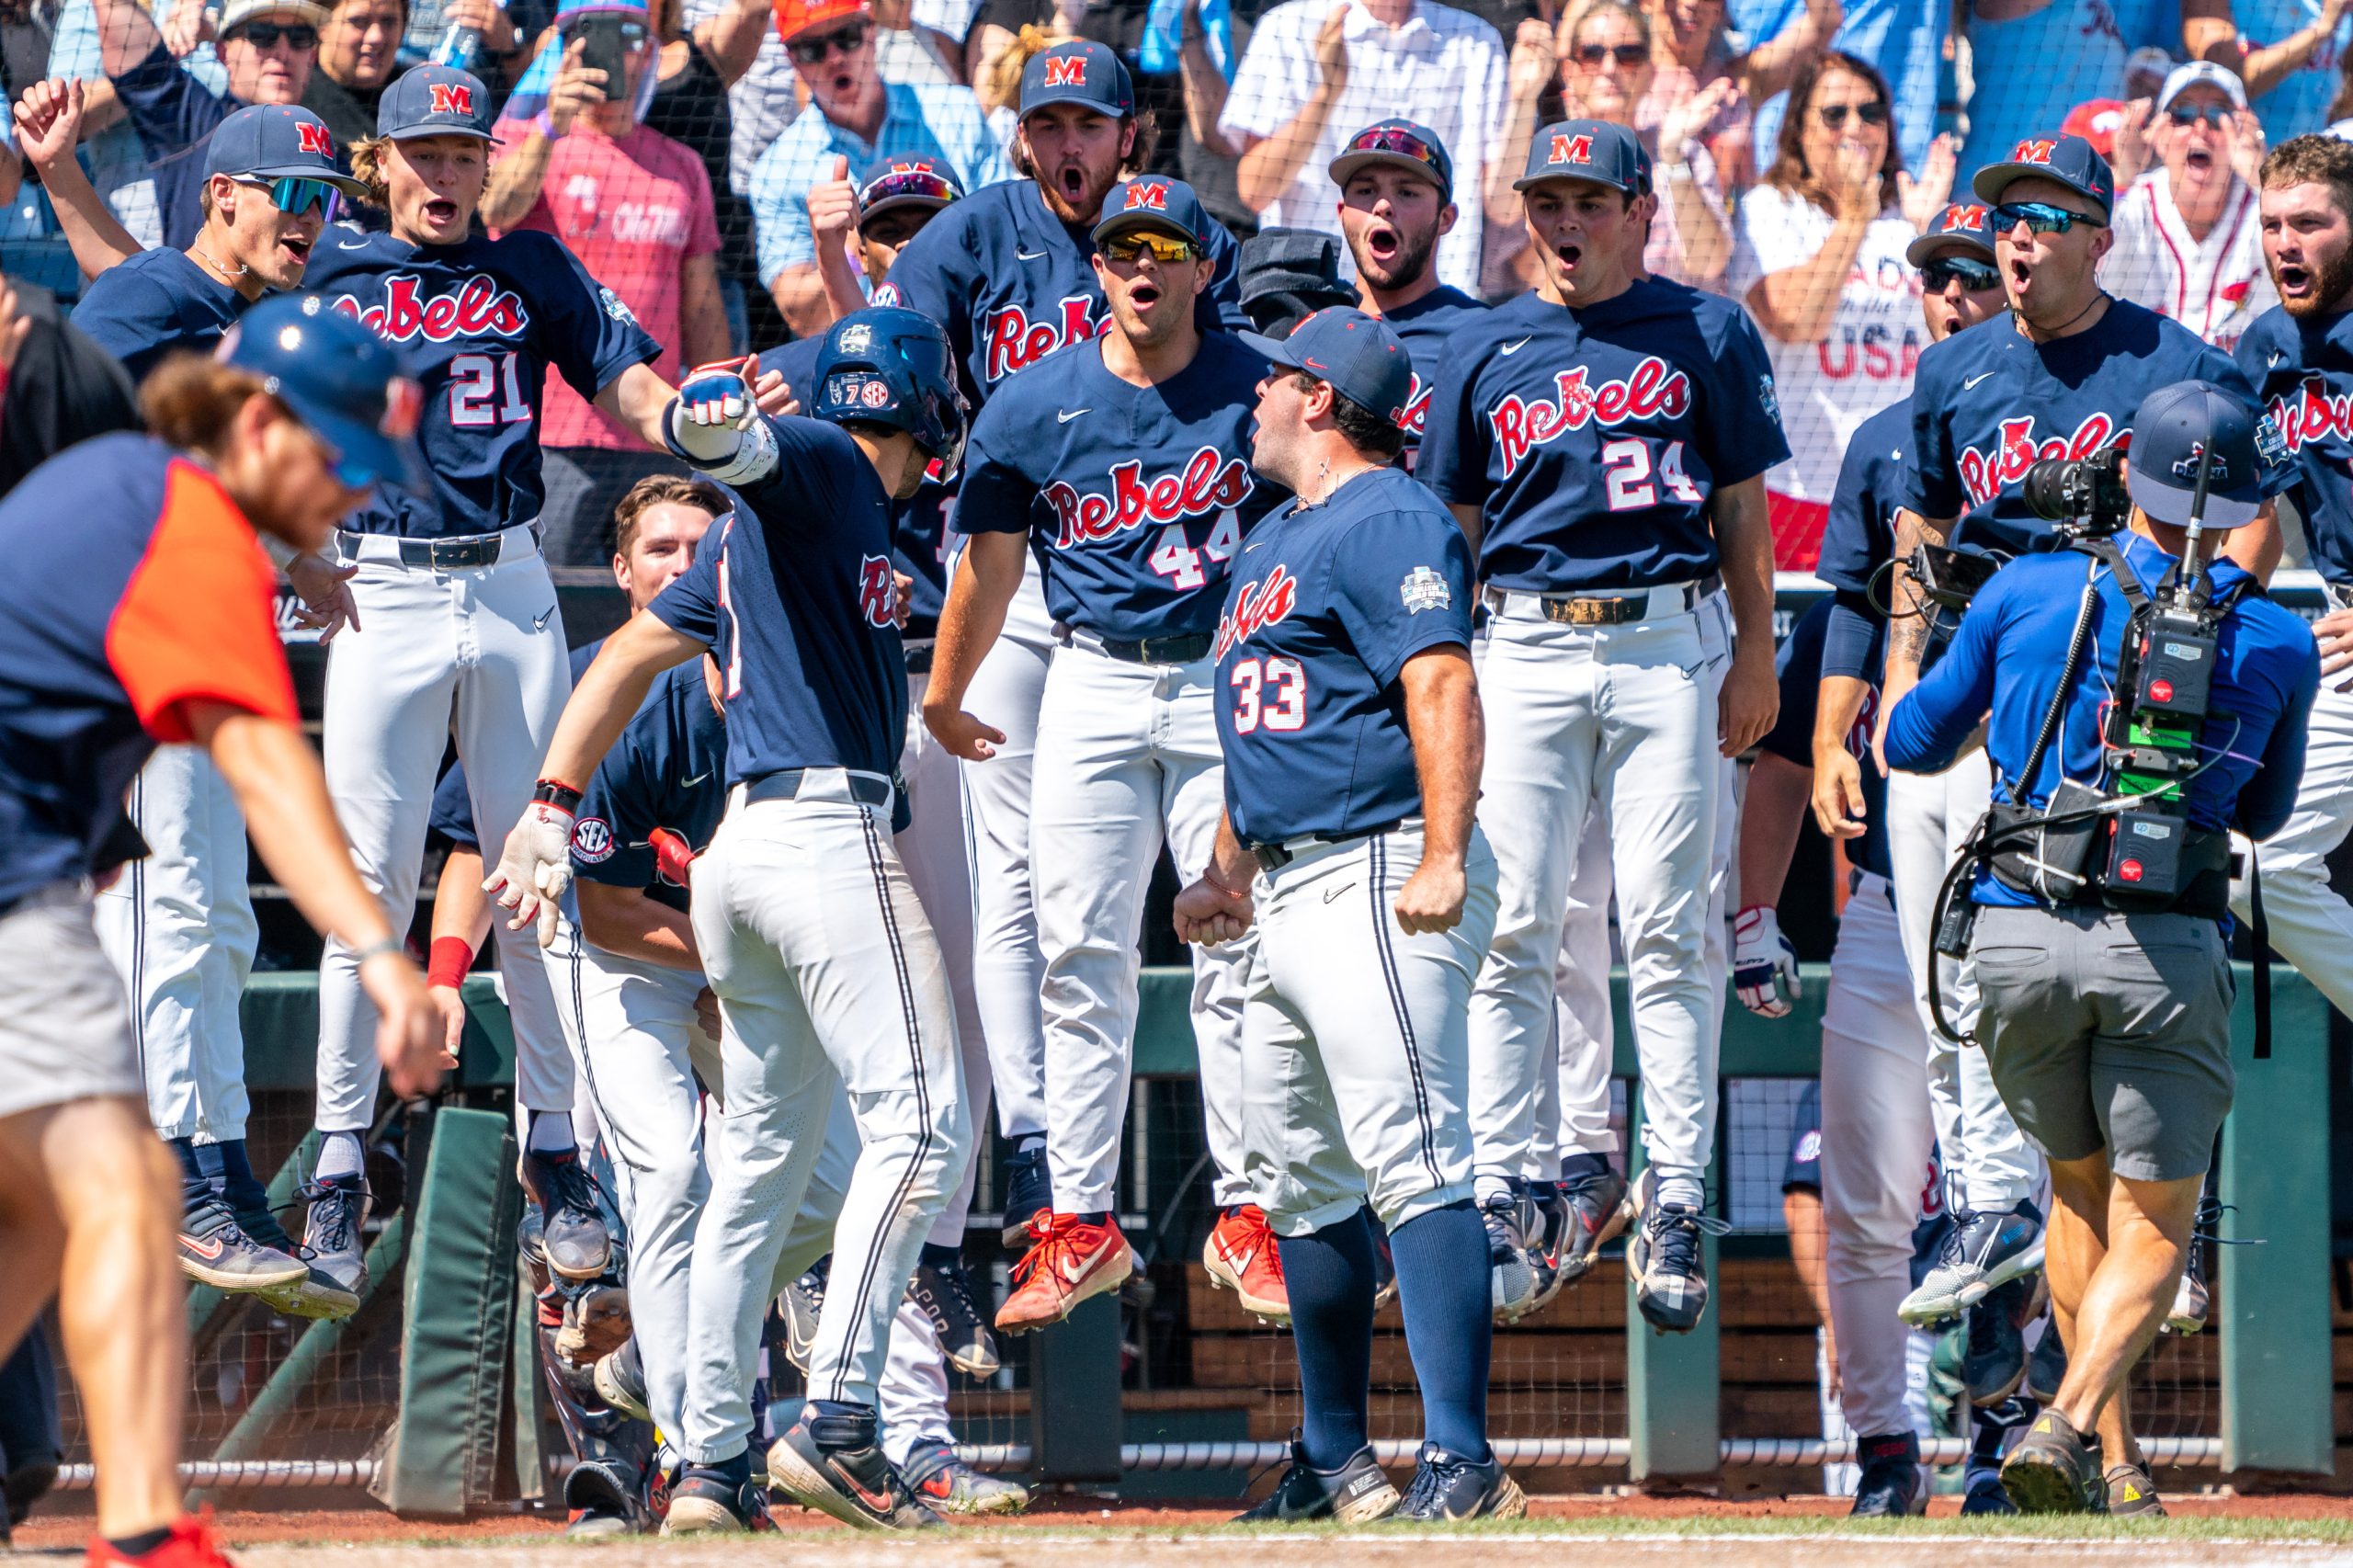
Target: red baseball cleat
[
  {"x": 1241, "y": 1257},
  {"x": 191, "y": 1544},
  {"x": 1068, "y": 1261}
]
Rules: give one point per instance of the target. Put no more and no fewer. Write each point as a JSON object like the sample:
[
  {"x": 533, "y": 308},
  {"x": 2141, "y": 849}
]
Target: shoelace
[
  {"x": 1675, "y": 1238},
  {"x": 812, "y": 1286},
  {"x": 945, "y": 1293},
  {"x": 339, "y": 1204},
  {"x": 1263, "y": 1245},
  {"x": 576, "y": 1190},
  {"x": 1047, "y": 1240},
  {"x": 1418, "y": 1491}
]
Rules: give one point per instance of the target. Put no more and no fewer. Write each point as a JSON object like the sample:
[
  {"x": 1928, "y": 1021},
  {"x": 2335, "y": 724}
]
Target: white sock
[
  {"x": 551, "y": 1133},
  {"x": 1683, "y": 1189},
  {"x": 1486, "y": 1187},
  {"x": 339, "y": 1156}
]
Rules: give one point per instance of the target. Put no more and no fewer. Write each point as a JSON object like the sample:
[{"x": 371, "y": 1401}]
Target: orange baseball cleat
[
  {"x": 1068, "y": 1261},
  {"x": 1241, "y": 1257},
  {"x": 191, "y": 1544}
]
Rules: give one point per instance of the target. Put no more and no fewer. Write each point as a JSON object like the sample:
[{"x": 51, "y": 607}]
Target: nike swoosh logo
[
  {"x": 1337, "y": 891},
  {"x": 1515, "y": 347},
  {"x": 207, "y": 1248},
  {"x": 351, "y": 244},
  {"x": 691, "y": 783},
  {"x": 1064, "y": 416},
  {"x": 2276, "y": 357},
  {"x": 1029, "y": 255},
  {"x": 1248, "y": 547},
  {"x": 539, "y": 622},
  {"x": 1975, "y": 379},
  {"x": 881, "y": 1505}
]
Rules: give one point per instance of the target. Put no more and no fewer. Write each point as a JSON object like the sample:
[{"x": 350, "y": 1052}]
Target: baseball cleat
[
  {"x": 805, "y": 1305},
  {"x": 721, "y": 1499},
  {"x": 1664, "y": 1260},
  {"x": 314, "y": 1295},
  {"x": 1448, "y": 1487},
  {"x": 190, "y": 1544},
  {"x": 215, "y": 1251},
  {"x": 1511, "y": 1279},
  {"x": 1994, "y": 1364},
  {"x": 1890, "y": 1485},
  {"x": 851, "y": 1481},
  {"x": 2132, "y": 1492},
  {"x": 947, "y": 1485},
  {"x": 621, "y": 1381},
  {"x": 1384, "y": 1269},
  {"x": 576, "y": 1241},
  {"x": 1986, "y": 1497},
  {"x": 1544, "y": 1221},
  {"x": 1357, "y": 1492},
  {"x": 944, "y": 1291},
  {"x": 2054, "y": 1469},
  {"x": 597, "y": 1502},
  {"x": 331, "y": 1233},
  {"x": 1598, "y": 1213},
  {"x": 1984, "y": 1250},
  {"x": 1241, "y": 1255},
  {"x": 1028, "y": 1190},
  {"x": 1068, "y": 1261},
  {"x": 2046, "y": 1368}
]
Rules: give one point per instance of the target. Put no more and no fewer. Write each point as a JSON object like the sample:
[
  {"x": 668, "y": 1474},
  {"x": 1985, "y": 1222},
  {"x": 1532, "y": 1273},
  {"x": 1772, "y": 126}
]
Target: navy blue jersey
[
  {"x": 667, "y": 770},
  {"x": 792, "y": 592},
  {"x": 1135, "y": 498},
  {"x": 1859, "y": 537},
  {"x": 1328, "y": 602},
  {"x": 1591, "y": 440},
  {"x": 1424, "y": 326},
  {"x": 452, "y": 816},
  {"x": 1987, "y": 403},
  {"x": 1012, "y": 285},
  {"x": 2302, "y": 371},
  {"x": 141, "y": 309},
  {"x": 1801, "y": 1172},
  {"x": 1799, "y": 667},
  {"x": 480, "y": 323}
]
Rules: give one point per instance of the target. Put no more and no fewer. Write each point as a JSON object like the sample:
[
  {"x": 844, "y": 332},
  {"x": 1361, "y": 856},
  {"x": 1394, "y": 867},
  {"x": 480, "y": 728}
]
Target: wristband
[
  {"x": 377, "y": 950},
  {"x": 546, "y": 126},
  {"x": 1209, "y": 875},
  {"x": 557, "y": 793},
  {"x": 452, "y": 957}
]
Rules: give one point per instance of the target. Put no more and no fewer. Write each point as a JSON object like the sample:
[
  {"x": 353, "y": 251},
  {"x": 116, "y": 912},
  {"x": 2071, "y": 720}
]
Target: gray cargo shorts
[
  {"x": 65, "y": 1022},
  {"x": 2107, "y": 1030}
]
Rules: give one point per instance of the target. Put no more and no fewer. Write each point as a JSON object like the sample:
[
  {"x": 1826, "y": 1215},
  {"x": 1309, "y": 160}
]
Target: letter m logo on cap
[
  {"x": 2034, "y": 149},
  {"x": 314, "y": 138},
  {"x": 1575, "y": 149},
  {"x": 1151, "y": 195},
  {"x": 452, "y": 98},
  {"x": 1070, "y": 71},
  {"x": 1965, "y": 215}
]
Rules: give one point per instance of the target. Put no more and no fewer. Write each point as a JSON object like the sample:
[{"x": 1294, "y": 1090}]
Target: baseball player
[
  {"x": 179, "y": 924},
  {"x": 1009, "y": 273},
  {"x": 826, "y": 969},
  {"x": 1612, "y": 479},
  {"x": 1126, "y": 469},
  {"x": 1352, "y": 732},
  {"x": 2060, "y": 378},
  {"x": 155, "y": 626}
]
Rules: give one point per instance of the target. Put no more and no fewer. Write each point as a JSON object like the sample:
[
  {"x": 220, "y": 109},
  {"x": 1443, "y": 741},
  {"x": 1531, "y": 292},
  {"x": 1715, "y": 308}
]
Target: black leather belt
[
  {"x": 1608, "y": 609},
  {"x": 446, "y": 554},
  {"x": 1275, "y": 857},
  {"x": 785, "y": 785},
  {"x": 1161, "y": 650},
  {"x": 919, "y": 658}
]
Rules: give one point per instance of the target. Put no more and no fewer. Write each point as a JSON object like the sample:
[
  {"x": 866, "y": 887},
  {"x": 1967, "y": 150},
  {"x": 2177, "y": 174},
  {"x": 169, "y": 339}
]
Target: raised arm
[{"x": 49, "y": 126}]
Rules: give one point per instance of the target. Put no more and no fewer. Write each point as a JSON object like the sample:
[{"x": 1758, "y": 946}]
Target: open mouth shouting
[
  {"x": 2295, "y": 280},
  {"x": 1381, "y": 242},
  {"x": 440, "y": 211},
  {"x": 294, "y": 249},
  {"x": 1143, "y": 293},
  {"x": 1071, "y": 181}
]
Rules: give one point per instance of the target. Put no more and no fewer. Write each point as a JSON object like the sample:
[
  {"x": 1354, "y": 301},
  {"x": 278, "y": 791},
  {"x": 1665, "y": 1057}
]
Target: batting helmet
[
  {"x": 342, "y": 382},
  {"x": 891, "y": 367}
]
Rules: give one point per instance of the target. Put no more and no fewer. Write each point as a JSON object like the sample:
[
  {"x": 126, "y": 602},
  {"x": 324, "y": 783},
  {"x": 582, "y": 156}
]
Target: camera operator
[{"x": 2100, "y": 877}]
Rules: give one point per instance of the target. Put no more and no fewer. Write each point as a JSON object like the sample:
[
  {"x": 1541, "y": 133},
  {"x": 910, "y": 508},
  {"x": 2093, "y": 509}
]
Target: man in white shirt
[
  {"x": 2188, "y": 242},
  {"x": 1315, "y": 73}
]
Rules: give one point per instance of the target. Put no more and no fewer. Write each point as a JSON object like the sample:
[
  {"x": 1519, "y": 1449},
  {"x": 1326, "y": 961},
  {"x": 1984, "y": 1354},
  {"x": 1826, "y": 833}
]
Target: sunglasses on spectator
[
  {"x": 1388, "y": 139},
  {"x": 1163, "y": 249},
  {"x": 1975, "y": 276},
  {"x": 1835, "y": 115},
  {"x": 2215, "y": 115},
  {"x": 264, "y": 35},
  {"x": 2040, "y": 217},
  {"x": 812, "y": 51},
  {"x": 1628, "y": 54},
  {"x": 296, "y": 196}
]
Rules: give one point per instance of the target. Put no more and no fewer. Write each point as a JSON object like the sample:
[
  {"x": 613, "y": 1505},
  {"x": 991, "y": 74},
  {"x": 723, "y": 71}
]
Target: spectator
[
  {"x": 1821, "y": 266},
  {"x": 1607, "y": 69},
  {"x": 2032, "y": 61},
  {"x": 266, "y": 48},
  {"x": 358, "y": 53},
  {"x": 853, "y": 113},
  {"x": 2189, "y": 243},
  {"x": 690, "y": 107},
  {"x": 2289, "y": 80},
  {"x": 110, "y": 149},
  {"x": 2097, "y": 121},
  {"x": 992, "y": 62},
  {"x": 2146, "y": 70},
  {"x": 1906, "y": 38},
  {"x": 635, "y": 207},
  {"x": 1315, "y": 73},
  {"x": 1692, "y": 51}
]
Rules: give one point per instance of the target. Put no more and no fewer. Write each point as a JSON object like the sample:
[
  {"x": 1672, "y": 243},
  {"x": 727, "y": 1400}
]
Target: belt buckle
[
  {"x": 1584, "y": 613},
  {"x": 1271, "y": 858}
]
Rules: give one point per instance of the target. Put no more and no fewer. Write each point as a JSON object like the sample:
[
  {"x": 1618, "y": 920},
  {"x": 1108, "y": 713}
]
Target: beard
[
  {"x": 2330, "y": 281},
  {"x": 1407, "y": 267}
]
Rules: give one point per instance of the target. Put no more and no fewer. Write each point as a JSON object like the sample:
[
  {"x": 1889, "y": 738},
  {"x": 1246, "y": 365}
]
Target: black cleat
[
  {"x": 2055, "y": 1470},
  {"x": 1664, "y": 1258},
  {"x": 1889, "y": 1486},
  {"x": 1544, "y": 1221},
  {"x": 721, "y": 1499},
  {"x": 805, "y": 1305},
  {"x": 2046, "y": 1368},
  {"x": 331, "y": 1233},
  {"x": 944, "y": 1291},
  {"x": 1598, "y": 1213},
  {"x": 600, "y": 1500},
  {"x": 574, "y": 1239},
  {"x": 214, "y": 1250},
  {"x": 1448, "y": 1487},
  {"x": 1511, "y": 1279},
  {"x": 849, "y": 1479},
  {"x": 1027, "y": 1191},
  {"x": 1983, "y": 1251},
  {"x": 1995, "y": 1363},
  {"x": 1356, "y": 1494},
  {"x": 1986, "y": 1497}
]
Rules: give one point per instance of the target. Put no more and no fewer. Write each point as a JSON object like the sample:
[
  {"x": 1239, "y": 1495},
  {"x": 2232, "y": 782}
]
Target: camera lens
[{"x": 2051, "y": 488}]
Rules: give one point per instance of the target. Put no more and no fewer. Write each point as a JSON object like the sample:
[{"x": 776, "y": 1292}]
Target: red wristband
[{"x": 452, "y": 957}]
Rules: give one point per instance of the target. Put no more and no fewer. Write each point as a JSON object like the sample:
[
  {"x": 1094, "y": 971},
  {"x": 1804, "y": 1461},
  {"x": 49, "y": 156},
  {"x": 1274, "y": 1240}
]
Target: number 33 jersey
[
  {"x": 478, "y": 324},
  {"x": 1135, "y": 498}
]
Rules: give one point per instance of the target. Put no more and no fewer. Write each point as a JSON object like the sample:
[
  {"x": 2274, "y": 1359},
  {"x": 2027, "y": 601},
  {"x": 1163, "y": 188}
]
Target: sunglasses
[
  {"x": 2040, "y": 217},
  {"x": 1627, "y": 54},
  {"x": 812, "y": 51},
  {"x": 922, "y": 184},
  {"x": 292, "y": 194},
  {"x": 1391, "y": 140},
  {"x": 2215, "y": 115},
  {"x": 1163, "y": 249},
  {"x": 1834, "y": 116},
  {"x": 1975, "y": 276},
  {"x": 264, "y": 35}
]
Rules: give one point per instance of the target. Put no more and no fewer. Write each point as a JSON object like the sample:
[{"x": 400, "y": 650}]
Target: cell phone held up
[{"x": 607, "y": 43}]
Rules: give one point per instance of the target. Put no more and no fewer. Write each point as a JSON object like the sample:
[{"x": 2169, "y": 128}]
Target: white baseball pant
[
  {"x": 1008, "y": 968},
  {"x": 2311, "y": 925},
  {"x": 178, "y": 927},
  {"x": 1356, "y": 1049},
  {"x": 1877, "y": 1147},
  {"x": 1987, "y": 1161},
  {"x": 1572, "y": 1083},
  {"x": 1127, "y": 756},
  {"x": 483, "y": 647},
  {"x": 828, "y": 976},
  {"x": 1621, "y": 717}
]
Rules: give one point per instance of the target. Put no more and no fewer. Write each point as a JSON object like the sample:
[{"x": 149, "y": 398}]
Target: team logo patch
[
  {"x": 1209, "y": 482},
  {"x": 1984, "y": 473},
  {"x": 1257, "y": 606},
  {"x": 877, "y": 595},
  {"x": 1962, "y": 215},
  {"x": 1146, "y": 197},
  {"x": 314, "y": 138},
  {"x": 1067, "y": 71},
  {"x": 1423, "y": 589},
  {"x": 857, "y": 338},
  {"x": 2034, "y": 149},
  {"x": 1809, "y": 1149},
  {"x": 1575, "y": 149},
  {"x": 615, "y": 306},
  {"x": 2217, "y": 470},
  {"x": 874, "y": 394},
  {"x": 1653, "y": 390},
  {"x": 2270, "y": 446},
  {"x": 592, "y": 841},
  {"x": 478, "y": 307},
  {"x": 1769, "y": 399}
]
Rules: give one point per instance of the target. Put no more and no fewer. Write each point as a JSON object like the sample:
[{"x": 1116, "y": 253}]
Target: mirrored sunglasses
[
  {"x": 2040, "y": 217},
  {"x": 1164, "y": 248},
  {"x": 1938, "y": 275},
  {"x": 294, "y": 194}
]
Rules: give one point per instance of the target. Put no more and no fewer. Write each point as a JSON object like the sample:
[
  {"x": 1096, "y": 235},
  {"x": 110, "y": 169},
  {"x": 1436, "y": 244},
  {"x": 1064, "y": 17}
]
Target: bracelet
[
  {"x": 546, "y": 126},
  {"x": 557, "y": 793},
  {"x": 377, "y": 950},
  {"x": 1209, "y": 875},
  {"x": 453, "y": 957}
]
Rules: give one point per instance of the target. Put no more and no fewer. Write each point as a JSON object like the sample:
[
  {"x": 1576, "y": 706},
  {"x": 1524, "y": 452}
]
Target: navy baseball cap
[
  {"x": 1584, "y": 149},
  {"x": 434, "y": 100},
  {"x": 1960, "y": 225},
  {"x": 2178, "y": 426},
  {"x": 1399, "y": 143},
  {"x": 276, "y": 141},
  {"x": 1360, "y": 355},
  {"x": 345, "y": 383},
  {"x": 1153, "y": 202},
  {"x": 2072, "y": 161},
  {"x": 1079, "y": 72},
  {"x": 906, "y": 180}
]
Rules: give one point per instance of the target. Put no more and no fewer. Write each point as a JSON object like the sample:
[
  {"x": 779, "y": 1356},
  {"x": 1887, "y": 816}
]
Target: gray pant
[{"x": 2111, "y": 1031}]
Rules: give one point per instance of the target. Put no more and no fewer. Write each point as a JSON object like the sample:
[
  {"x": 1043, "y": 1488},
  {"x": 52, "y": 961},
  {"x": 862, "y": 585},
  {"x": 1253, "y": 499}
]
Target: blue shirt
[
  {"x": 1903, "y": 38},
  {"x": 2302, "y": 372},
  {"x": 2012, "y": 646},
  {"x": 478, "y": 325},
  {"x": 2031, "y": 71},
  {"x": 452, "y": 816},
  {"x": 667, "y": 770},
  {"x": 792, "y": 592},
  {"x": 1590, "y": 439},
  {"x": 1424, "y": 326},
  {"x": 1328, "y": 602},
  {"x": 1135, "y": 498},
  {"x": 2300, "y": 102},
  {"x": 143, "y": 308},
  {"x": 1860, "y": 537},
  {"x": 1987, "y": 403},
  {"x": 931, "y": 120},
  {"x": 1799, "y": 667},
  {"x": 1011, "y": 285}
]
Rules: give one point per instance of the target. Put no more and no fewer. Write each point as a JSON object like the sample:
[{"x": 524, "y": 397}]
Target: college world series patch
[{"x": 1423, "y": 589}]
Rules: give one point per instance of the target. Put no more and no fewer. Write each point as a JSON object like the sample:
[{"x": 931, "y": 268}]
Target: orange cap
[{"x": 794, "y": 18}]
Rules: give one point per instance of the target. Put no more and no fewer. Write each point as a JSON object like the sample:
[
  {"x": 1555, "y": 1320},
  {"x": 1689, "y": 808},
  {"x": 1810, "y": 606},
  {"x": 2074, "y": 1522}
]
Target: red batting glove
[{"x": 674, "y": 859}]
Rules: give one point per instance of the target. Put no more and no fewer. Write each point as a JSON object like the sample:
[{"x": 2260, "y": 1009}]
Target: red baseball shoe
[
  {"x": 1068, "y": 1261},
  {"x": 1241, "y": 1257}
]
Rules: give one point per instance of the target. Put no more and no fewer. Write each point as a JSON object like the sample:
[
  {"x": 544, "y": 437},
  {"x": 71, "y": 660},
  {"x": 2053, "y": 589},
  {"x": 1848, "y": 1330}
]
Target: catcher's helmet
[
  {"x": 344, "y": 382},
  {"x": 887, "y": 366}
]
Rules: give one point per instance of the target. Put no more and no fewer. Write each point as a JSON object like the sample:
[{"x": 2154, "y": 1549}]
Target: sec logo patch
[{"x": 592, "y": 840}]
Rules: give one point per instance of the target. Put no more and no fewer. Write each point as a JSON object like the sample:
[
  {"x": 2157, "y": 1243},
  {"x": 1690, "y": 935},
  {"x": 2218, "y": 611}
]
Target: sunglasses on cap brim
[
  {"x": 294, "y": 194},
  {"x": 908, "y": 184},
  {"x": 1402, "y": 143}
]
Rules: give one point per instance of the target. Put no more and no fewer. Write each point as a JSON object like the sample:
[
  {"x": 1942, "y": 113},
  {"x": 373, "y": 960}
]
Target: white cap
[
  {"x": 2149, "y": 58},
  {"x": 2218, "y": 77},
  {"x": 236, "y": 13}
]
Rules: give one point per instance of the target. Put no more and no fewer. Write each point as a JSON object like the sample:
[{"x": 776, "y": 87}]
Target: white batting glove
[
  {"x": 714, "y": 423},
  {"x": 718, "y": 395},
  {"x": 534, "y": 869},
  {"x": 1763, "y": 965}
]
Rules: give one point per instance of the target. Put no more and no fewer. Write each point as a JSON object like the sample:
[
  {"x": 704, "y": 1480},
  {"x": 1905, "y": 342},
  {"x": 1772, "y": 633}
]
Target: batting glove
[
  {"x": 674, "y": 858},
  {"x": 535, "y": 868},
  {"x": 714, "y": 423},
  {"x": 718, "y": 393},
  {"x": 1763, "y": 965}
]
